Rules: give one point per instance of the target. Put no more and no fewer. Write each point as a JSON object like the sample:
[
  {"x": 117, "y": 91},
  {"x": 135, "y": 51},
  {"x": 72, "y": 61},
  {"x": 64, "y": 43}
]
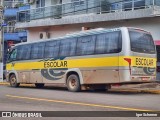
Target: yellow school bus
[{"x": 93, "y": 59}]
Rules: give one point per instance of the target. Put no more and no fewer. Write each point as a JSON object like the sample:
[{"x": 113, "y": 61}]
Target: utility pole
[{"x": 1, "y": 41}]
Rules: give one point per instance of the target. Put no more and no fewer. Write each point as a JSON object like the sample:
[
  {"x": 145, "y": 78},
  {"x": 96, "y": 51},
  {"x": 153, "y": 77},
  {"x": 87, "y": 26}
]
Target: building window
[
  {"x": 40, "y": 3},
  {"x": 78, "y": 2}
]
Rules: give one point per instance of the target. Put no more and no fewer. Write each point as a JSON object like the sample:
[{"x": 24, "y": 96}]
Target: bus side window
[
  {"x": 68, "y": 47},
  {"x": 37, "y": 50},
  {"x": 86, "y": 45},
  {"x": 19, "y": 52},
  {"x": 100, "y": 44},
  {"x": 13, "y": 55},
  {"x": 52, "y": 49},
  {"x": 113, "y": 42},
  {"x": 108, "y": 43},
  {"x": 24, "y": 52}
]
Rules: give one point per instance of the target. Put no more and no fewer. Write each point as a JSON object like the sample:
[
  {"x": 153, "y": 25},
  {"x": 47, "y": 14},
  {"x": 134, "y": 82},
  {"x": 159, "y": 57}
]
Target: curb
[
  {"x": 4, "y": 83},
  {"x": 27, "y": 85},
  {"x": 127, "y": 90},
  {"x": 153, "y": 91}
]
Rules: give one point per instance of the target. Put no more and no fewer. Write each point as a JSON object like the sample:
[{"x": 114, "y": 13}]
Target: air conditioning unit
[{"x": 44, "y": 35}]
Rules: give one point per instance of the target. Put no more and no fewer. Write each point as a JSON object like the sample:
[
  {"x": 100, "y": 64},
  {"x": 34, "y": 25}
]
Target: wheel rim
[
  {"x": 72, "y": 83},
  {"x": 13, "y": 81}
]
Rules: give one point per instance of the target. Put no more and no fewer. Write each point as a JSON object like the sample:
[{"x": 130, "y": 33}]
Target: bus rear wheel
[
  {"x": 73, "y": 83},
  {"x": 39, "y": 85},
  {"x": 13, "y": 81}
]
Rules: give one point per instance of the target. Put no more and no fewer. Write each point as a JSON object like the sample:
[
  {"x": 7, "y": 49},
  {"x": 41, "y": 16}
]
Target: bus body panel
[
  {"x": 24, "y": 76},
  {"x": 35, "y": 76},
  {"x": 104, "y": 69},
  {"x": 124, "y": 72},
  {"x": 101, "y": 75}
]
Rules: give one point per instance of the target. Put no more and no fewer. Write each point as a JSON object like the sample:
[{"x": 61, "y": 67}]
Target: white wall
[
  {"x": 149, "y": 24},
  {"x": 57, "y": 31}
]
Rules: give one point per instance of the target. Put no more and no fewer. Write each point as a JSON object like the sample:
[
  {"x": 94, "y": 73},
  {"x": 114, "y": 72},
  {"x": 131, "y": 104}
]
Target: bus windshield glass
[{"x": 141, "y": 42}]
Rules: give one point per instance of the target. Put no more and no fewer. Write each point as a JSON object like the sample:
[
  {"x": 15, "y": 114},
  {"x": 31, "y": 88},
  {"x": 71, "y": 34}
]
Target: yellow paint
[
  {"x": 79, "y": 103},
  {"x": 83, "y": 63},
  {"x": 4, "y": 83}
]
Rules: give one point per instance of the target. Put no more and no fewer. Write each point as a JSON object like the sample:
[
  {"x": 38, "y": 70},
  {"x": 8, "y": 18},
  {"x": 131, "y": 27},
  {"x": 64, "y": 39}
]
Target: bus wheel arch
[
  {"x": 73, "y": 81},
  {"x": 13, "y": 80}
]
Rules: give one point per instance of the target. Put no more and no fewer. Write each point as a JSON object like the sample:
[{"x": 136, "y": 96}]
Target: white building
[{"x": 54, "y": 18}]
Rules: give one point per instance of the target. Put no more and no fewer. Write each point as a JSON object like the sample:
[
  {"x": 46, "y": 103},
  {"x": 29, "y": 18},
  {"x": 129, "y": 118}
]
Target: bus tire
[
  {"x": 13, "y": 81},
  {"x": 73, "y": 83},
  {"x": 39, "y": 85}
]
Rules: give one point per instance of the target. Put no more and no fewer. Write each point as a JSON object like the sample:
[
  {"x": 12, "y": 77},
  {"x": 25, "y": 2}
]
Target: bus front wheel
[
  {"x": 39, "y": 85},
  {"x": 13, "y": 81},
  {"x": 73, "y": 83}
]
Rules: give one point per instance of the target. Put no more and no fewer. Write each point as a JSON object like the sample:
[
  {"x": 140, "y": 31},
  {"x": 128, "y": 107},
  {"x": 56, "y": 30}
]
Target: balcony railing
[
  {"x": 12, "y": 4},
  {"x": 9, "y": 29},
  {"x": 22, "y": 34},
  {"x": 15, "y": 34},
  {"x": 24, "y": 7},
  {"x": 11, "y": 36},
  {"x": 85, "y": 7}
]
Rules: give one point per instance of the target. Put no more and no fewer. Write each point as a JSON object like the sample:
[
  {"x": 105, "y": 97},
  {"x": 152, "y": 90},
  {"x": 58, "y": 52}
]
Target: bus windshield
[{"x": 141, "y": 42}]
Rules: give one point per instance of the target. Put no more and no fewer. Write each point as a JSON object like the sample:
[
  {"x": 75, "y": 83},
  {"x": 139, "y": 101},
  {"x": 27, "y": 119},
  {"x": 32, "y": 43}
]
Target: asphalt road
[{"x": 59, "y": 99}]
